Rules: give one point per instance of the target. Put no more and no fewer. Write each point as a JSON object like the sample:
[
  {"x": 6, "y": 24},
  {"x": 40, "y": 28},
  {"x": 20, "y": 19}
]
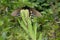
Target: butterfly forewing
[{"x": 15, "y": 12}]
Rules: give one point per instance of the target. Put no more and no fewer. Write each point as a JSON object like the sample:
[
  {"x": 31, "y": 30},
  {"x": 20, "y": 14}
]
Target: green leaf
[{"x": 1, "y": 22}]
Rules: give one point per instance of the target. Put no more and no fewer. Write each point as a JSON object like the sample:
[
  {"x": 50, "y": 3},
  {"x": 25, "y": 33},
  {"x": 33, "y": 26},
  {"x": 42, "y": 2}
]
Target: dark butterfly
[{"x": 31, "y": 11}]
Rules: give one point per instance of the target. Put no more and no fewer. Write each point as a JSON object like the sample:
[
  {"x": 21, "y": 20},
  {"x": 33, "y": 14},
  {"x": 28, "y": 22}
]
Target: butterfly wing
[
  {"x": 15, "y": 12},
  {"x": 35, "y": 12}
]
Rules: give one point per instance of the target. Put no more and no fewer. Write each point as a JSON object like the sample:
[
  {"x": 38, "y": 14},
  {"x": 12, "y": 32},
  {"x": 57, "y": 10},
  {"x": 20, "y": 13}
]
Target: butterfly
[{"x": 31, "y": 11}]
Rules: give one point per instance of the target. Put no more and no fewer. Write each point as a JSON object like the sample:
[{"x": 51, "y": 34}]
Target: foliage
[{"x": 46, "y": 27}]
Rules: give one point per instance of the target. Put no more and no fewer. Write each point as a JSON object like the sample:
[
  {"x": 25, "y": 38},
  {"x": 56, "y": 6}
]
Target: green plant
[{"x": 26, "y": 23}]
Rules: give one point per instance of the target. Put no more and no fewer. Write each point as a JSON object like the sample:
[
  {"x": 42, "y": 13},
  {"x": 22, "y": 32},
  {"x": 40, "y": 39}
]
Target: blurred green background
[{"x": 46, "y": 27}]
